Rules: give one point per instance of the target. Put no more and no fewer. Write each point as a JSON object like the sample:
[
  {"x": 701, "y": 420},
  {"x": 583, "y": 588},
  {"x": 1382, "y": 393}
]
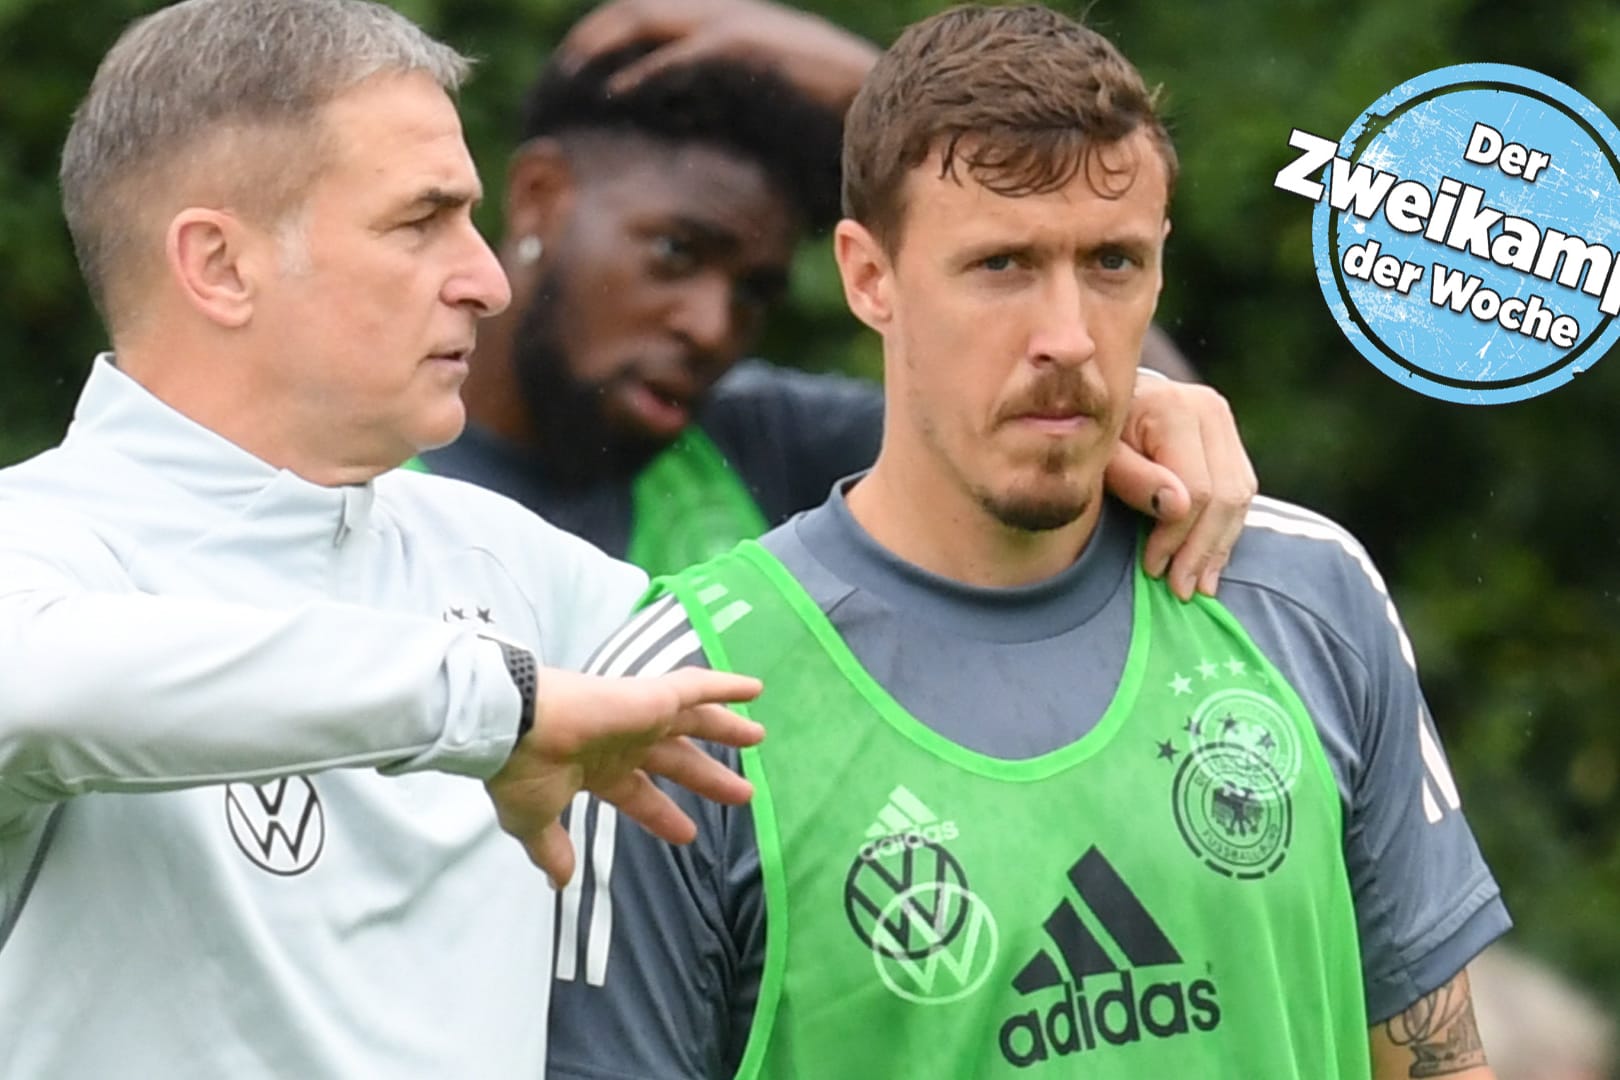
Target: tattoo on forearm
[{"x": 1440, "y": 1031}]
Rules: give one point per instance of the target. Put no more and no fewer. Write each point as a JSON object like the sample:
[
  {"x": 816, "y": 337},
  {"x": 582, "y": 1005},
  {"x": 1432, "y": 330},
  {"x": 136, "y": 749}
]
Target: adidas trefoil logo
[
  {"x": 1100, "y": 1000},
  {"x": 905, "y": 822}
]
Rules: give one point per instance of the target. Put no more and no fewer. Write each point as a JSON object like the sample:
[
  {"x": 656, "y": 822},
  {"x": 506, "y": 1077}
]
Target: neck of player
[{"x": 934, "y": 523}]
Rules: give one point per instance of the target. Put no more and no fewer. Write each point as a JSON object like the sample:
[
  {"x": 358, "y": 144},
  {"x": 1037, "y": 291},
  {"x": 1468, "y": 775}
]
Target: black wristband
[{"x": 525, "y": 674}]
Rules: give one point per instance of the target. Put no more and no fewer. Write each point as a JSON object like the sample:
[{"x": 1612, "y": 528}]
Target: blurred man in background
[{"x": 674, "y": 153}]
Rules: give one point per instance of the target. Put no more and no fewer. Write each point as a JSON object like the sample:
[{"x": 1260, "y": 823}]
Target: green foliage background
[{"x": 1496, "y": 527}]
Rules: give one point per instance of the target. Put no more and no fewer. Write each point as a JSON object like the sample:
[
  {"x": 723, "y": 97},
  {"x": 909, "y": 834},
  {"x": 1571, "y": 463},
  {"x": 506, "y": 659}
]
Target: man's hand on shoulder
[
  {"x": 1180, "y": 460},
  {"x": 608, "y": 736},
  {"x": 824, "y": 61}
]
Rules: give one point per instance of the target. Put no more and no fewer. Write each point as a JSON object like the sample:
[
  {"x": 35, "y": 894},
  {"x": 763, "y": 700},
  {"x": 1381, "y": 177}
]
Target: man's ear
[
  {"x": 217, "y": 262},
  {"x": 867, "y": 273},
  {"x": 540, "y": 186},
  {"x": 1163, "y": 237}
]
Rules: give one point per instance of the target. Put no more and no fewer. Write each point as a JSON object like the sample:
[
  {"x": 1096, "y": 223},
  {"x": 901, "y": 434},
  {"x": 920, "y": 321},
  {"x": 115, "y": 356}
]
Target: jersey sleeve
[
  {"x": 793, "y": 434},
  {"x": 105, "y": 688},
  {"x": 659, "y": 947},
  {"x": 1426, "y": 902}
]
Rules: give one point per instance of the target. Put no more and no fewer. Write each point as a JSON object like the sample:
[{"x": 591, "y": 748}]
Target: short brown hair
[
  {"x": 1020, "y": 96},
  {"x": 255, "y": 73}
]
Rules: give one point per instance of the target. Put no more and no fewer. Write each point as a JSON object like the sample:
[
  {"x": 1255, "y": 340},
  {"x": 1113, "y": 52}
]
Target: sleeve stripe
[
  {"x": 601, "y": 939},
  {"x": 1297, "y": 521},
  {"x": 568, "y": 903},
  {"x": 1315, "y": 528},
  {"x": 1292, "y": 510},
  {"x": 674, "y": 646},
  {"x": 1439, "y": 773},
  {"x": 646, "y": 640},
  {"x": 671, "y": 656},
  {"x": 648, "y": 648},
  {"x": 611, "y": 648}
]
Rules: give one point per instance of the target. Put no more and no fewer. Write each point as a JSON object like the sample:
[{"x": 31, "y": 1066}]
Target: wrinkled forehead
[{"x": 393, "y": 136}]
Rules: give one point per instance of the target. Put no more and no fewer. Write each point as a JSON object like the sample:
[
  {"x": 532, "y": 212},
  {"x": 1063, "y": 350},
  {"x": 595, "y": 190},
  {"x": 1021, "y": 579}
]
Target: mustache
[{"x": 1065, "y": 392}]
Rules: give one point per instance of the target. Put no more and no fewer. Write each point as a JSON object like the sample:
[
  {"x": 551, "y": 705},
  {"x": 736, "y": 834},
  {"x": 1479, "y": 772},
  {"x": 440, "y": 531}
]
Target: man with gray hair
[{"x": 251, "y": 672}]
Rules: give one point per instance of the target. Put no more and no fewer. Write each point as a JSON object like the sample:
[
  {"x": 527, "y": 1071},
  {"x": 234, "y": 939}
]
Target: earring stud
[{"x": 529, "y": 249}]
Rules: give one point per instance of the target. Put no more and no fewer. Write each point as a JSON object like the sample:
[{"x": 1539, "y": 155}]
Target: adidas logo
[
  {"x": 905, "y": 822},
  {"x": 1101, "y": 1000}
]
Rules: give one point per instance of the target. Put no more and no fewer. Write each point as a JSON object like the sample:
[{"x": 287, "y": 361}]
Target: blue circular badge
[{"x": 1465, "y": 232}]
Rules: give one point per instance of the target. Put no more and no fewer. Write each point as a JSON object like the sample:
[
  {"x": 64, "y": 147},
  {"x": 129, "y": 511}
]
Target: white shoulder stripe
[
  {"x": 568, "y": 903},
  {"x": 600, "y": 941},
  {"x": 646, "y": 638},
  {"x": 1294, "y": 510},
  {"x": 1315, "y": 527},
  {"x": 1438, "y": 785},
  {"x": 633, "y": 646},
  {"x": 672, "y": 654},
  {"x": 1321, "y": 529},
  {"x": 613, "y": 645},
  {"x": 1434, "y": 762}
]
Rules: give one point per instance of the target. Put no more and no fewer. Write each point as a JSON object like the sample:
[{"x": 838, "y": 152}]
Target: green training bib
[
  {"x": 689, "y": 505},
  {"x": 1164, "y": 898}
]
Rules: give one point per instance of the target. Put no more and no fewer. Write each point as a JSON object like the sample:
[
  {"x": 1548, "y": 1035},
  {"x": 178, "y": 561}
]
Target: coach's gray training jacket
[{"x": 242, "y": 722}]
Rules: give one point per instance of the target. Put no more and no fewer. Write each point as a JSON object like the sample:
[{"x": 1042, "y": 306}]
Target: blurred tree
[{"x": 1497, "y": 528}]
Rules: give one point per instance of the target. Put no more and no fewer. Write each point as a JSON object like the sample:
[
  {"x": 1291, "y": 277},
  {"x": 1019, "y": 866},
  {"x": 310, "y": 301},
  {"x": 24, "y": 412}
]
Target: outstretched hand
[
  {"x": 825, "y": 62},
  {"x": 1180, "y": 459},
  {"x": 609, "y": 736}
]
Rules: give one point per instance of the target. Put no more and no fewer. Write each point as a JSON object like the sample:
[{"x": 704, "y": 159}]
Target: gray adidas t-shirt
[{"x": 660, "y": 948}]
